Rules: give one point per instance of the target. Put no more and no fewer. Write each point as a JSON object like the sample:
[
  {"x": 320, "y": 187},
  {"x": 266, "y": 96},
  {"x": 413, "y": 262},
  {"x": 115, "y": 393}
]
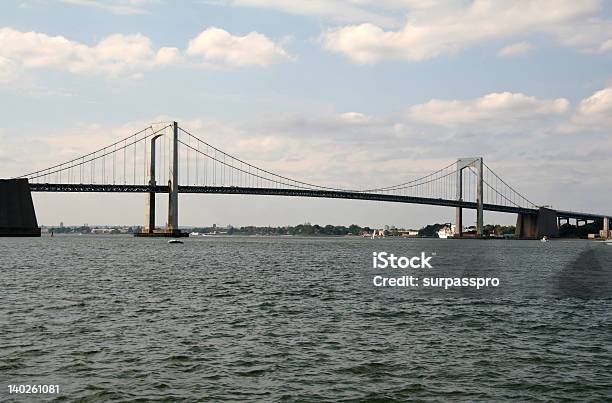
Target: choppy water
[{"x": 119, "y": 318}]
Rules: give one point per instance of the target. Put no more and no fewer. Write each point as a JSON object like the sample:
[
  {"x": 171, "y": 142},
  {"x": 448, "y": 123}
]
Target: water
[{"x": 119, "y": 318}]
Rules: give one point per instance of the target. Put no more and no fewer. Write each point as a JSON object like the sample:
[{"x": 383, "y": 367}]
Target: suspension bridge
[{"x": 149, "y": 161}]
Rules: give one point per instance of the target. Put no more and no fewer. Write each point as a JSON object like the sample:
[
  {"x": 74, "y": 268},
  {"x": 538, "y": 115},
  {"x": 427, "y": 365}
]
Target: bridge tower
[
  {"x": 173, "y": 190},
  {"x": 477, "y": 164},
  {"x": 173, "y": 183},
  {"x": 151, "y": 195}
]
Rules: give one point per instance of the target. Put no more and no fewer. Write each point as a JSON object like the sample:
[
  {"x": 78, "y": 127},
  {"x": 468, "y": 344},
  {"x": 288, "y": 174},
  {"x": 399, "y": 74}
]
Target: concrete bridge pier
[
  {"x": 17, "y": 215},
  {"x": 535, "y": 226},
  {"x": 605, "y": 232},
  {"x": 459, "y": 222}
]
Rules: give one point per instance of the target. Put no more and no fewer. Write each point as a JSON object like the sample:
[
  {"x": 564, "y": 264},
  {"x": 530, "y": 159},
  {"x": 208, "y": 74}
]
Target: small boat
[
  {"x": 544, "y": 239},
  {"x": 175, "y": 241},
  {"x": 448, "y": 231}
]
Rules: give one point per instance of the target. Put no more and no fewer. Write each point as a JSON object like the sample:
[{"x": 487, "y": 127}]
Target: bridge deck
[
  {"x": 55, "y": 187},
  {"x": 60, "y": 187}
]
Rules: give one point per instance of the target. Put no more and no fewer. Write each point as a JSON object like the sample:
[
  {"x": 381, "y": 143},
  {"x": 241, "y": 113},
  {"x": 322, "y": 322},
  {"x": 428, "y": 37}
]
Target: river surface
[{"x": 116, "y": 318}]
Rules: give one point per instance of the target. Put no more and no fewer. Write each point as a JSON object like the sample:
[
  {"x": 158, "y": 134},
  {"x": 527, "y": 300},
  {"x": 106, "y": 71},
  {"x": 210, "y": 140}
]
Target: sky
[{"x": 344, "y": 92}]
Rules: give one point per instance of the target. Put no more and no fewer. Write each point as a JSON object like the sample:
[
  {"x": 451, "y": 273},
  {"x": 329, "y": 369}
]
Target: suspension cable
[
  {"x": 394, "y": 187},
  {"x": 83, "y": 161},
  {"x": 84, "y": 156}
]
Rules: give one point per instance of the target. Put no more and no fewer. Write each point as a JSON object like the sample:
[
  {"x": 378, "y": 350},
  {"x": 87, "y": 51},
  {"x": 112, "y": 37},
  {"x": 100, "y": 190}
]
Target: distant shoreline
[{"x": 320, "y": 236}]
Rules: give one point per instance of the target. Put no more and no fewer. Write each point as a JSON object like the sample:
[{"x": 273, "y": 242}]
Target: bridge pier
[
  {"x": 605, "y": 232},
  {"x": 17, "y": 215},
  {"x": 535, "y": 226},
  {"x": 459, "y": 222}
]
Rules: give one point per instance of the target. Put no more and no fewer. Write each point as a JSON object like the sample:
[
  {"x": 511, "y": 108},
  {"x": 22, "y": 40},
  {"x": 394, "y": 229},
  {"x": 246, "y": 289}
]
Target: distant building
[
  {"x": 408, "y": 233},
  {"x": 101, "y": 230}
]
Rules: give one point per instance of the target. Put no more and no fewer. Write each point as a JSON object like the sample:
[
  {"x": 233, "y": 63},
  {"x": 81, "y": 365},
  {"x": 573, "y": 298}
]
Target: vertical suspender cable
[
  {"x": 114, "y": 161},
  {"x": 134, "y": 175}
]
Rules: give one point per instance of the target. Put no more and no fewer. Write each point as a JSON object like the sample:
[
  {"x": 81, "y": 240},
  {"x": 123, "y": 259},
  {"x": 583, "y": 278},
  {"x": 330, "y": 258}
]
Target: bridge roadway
[{"x": 117, "y": 188}]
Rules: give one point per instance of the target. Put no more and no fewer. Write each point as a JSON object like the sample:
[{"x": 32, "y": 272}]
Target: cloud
[
  {"x": 593, "y": 114},
  {"x": 450, "y": 27},
  {"x": 516, "y": 49},
  {"x": 218, "y": 47},
  {"x": 606, "y": 46},
  {"x": 120, "y": 7},
  {"x": 494, "y": 108},
  {"x": 113, "y": 55},
  {"x": 598, "y": 106},
  {"x": 132, "y": 54}
]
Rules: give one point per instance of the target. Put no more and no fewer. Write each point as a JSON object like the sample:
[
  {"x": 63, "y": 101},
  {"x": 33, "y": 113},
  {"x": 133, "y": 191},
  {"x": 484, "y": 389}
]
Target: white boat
[
  {"x": 378, "y": 233},
  {"x": 448, "y": 231},
  {"x": 544, "y": 239},
  {"x": 175, "y": 241}
]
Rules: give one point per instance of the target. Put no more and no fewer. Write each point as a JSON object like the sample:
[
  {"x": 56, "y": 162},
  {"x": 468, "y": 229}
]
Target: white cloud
[
  {"x": 120, "y": 7},
  {"x": 606, "y": 46},
  {"x": 515, "y": 49},
  {"x": 495, "y": 108},
  {"x": 131, "y": 55},
  {"x": 450, "y": 27},
  {"x": 597, "y": 106},
  {"x": 592, "y": 114},
  {"x": 218, "y": 47},
  {"x": 114, "y": 55},
  {"x": 355, "y": 118}
]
